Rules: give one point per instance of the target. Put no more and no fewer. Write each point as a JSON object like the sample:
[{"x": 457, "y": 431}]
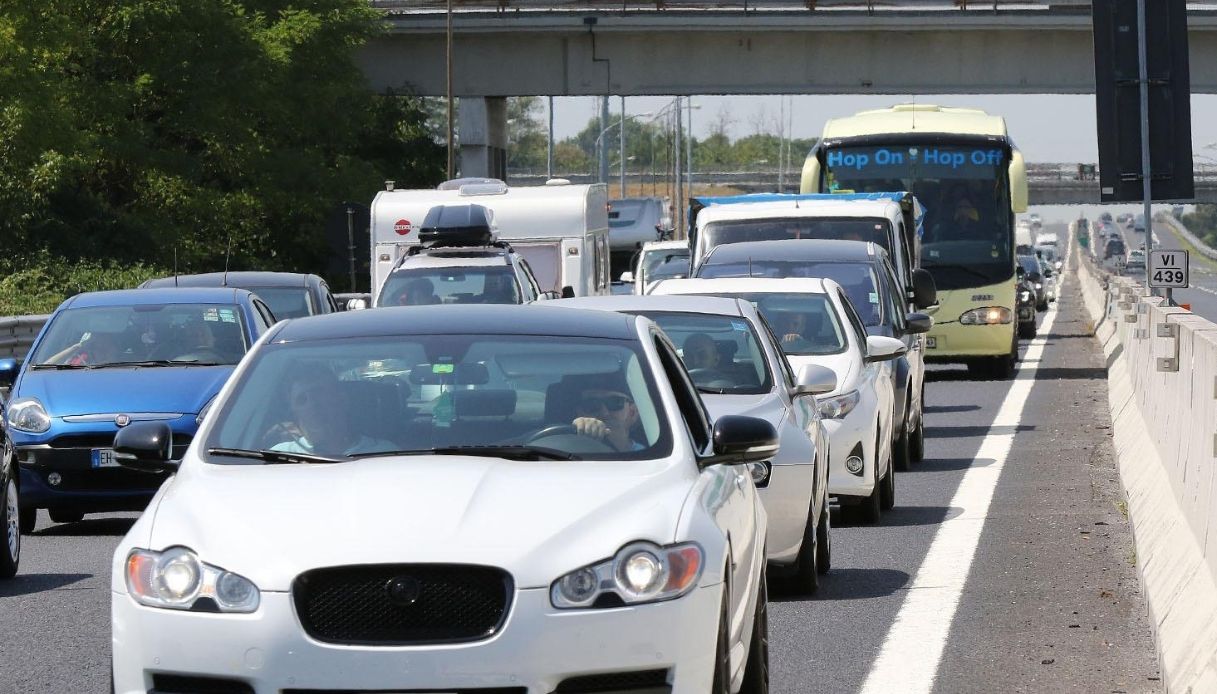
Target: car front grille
[{"x": 402, "y": 604}]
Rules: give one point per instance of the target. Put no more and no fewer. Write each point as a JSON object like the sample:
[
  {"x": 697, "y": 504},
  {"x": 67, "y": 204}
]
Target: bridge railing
[{"x": 870, "y": 6}]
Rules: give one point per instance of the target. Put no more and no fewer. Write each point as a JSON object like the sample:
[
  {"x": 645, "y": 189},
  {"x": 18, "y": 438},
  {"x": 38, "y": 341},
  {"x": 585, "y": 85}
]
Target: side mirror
[
  {"x": 8, "y": 371},
  {"x": 925, "y": 291},
  {"x": 356, "y": 304},
  {"x": 879, "y": 348},
  {"x": 626, "y": 277},
  {"x": 740, "y": 439},
  {"x": 918, "y": 323},
  {"x": 145, "y": 446},
  {"x": 568, "y": 292},
  {"x": 814, "y": 379}
]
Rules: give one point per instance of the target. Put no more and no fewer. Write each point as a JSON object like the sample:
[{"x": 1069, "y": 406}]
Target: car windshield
[
  {"x": 772, "y": 229},
  {"x": 451, "y": 285},
  {"x": 857, "y": 279},
  {"x": 665, "y": 264},
  {"x": 804, "y": 323},
  {"x": 286, "y": 302},
  {"x": 722, "y": 353},
  {"x": 499, "y": 395},
  {"x": 1031, "y": 265},
  {"x": 115, "y": 335}
]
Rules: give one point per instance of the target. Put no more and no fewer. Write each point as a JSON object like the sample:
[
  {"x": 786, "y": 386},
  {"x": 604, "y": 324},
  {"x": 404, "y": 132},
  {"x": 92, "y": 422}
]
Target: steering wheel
[
  {"x": 711, "y": 377},
  {"x": 569, "y": 430}
]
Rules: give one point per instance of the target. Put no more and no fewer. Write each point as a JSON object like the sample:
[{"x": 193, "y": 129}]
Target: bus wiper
[
  {"x": 274, "y": 457},
  {"x": 522, "y": 452}
]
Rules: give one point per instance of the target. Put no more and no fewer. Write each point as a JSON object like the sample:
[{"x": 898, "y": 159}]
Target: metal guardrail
[
  {"x": 17, "y": 333},
  {"x": 870, "y": 6}
]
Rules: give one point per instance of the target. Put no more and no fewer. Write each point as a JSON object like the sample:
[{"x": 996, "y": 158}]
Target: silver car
[{"x": 732, "y": 358}]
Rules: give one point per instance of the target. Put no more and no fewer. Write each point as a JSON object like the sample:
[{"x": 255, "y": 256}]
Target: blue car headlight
[{"x": 27, "y": 414}]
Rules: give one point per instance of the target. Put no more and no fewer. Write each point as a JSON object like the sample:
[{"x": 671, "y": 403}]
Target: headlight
[
  {"x": 989, "y": 315},
  {"x": 1039, "y": 285},
  {"x": 176, "y": 579},
  {"x": 27, "y": 414},
  {"x": 838, "y": 406},
  {"x": 760, "y": 473},
  {"x": 203, "y": 412},
  {"x": 641, "y": 572}
]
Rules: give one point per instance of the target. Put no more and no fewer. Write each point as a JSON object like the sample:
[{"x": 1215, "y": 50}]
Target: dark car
[
  {"x": 289, "y": 294},
  {"x": 102, "y": 361},
  {"x": 1024, "y": 292},
  {"x": 1114, "y": 248},
  {"x": 865, "y": 271},
  {"x": 1036, "y": 278}
]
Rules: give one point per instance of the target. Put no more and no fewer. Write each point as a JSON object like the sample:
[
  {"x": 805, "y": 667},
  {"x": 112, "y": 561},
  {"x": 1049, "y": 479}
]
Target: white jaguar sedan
[
  {"x": 815, "y": 323},
  {"x": 508, "y": 500}
]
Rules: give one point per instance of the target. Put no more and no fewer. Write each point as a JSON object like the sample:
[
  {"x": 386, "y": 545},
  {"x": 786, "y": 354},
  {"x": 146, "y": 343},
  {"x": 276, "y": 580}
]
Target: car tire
[
  {"x": 10, "y": 527},
  {"x": 824, "y": 540},
  {"x": 65, "y": 516},
  {"x": 1042, "y": 307},
  {"x": 917, "y": 440},
  {"x": 901, "y": 456},
  {"x": 756, "y": 667},
  {"x": 28, "y": 520},
  {"x": 887, "y": 496},
  {"x": 722, "y": 650},
  {"x": 1027, "y": 331},
  {"x": 806, "y": 577}
]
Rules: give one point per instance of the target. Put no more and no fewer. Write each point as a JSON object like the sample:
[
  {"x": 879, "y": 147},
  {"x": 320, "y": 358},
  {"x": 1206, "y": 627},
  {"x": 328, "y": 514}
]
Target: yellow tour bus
[{"x": 964, "y": 170}]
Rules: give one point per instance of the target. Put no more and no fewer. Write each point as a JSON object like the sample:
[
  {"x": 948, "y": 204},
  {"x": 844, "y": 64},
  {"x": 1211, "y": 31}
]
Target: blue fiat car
[{"x": 102, "y": 361}]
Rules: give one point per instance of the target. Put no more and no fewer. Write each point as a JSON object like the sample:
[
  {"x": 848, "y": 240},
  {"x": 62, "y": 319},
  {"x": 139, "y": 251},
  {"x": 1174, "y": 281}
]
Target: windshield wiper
[
  {"x": 275, "y": 457},
  {"x": 63, "y": 367},
  {"x": 166, "y": 362},
  {"x": 521, "y": 452},
  {"x": 711, "y": 391}
]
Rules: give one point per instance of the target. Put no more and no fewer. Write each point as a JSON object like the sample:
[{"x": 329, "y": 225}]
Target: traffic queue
[{"x": 498, "y": 477}]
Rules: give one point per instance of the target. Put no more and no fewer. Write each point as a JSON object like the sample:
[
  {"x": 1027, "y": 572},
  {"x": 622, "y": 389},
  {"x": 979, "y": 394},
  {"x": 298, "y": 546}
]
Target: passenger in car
[
  {"x": 608, "y": 414},
  {"x": 321, "y": 420},
  {"x": 700, "y": 352}
]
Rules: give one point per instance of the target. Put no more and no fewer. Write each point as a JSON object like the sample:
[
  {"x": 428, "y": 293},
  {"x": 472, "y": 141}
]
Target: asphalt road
[{"x": 1046, "y": 599}]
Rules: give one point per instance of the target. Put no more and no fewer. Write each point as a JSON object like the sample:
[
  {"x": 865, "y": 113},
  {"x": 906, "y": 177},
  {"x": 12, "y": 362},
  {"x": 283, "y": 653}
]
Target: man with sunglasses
[{"x": 607, "y": 414}]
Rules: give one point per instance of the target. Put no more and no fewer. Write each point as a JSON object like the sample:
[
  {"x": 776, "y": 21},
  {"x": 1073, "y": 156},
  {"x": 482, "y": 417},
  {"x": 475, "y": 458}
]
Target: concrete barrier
[
  {"x": 17, "y": 333},
  {"x": 1162, "y": 390}
]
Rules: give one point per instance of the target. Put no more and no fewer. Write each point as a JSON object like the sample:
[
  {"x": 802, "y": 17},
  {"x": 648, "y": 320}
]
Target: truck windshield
[{"x": 777, "y": 229}]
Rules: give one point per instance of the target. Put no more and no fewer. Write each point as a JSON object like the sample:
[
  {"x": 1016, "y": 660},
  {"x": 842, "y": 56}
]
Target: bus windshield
[{"x": 968, "y": 231}]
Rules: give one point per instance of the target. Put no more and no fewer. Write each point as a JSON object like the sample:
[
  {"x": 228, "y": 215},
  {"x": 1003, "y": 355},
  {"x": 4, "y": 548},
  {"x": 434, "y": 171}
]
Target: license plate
[
  {"x": 931, "y": 343},
  {"x": 104, "y": 457}
]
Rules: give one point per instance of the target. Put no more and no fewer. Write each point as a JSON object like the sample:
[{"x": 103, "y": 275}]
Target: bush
[{"x": 40, "y": 282}]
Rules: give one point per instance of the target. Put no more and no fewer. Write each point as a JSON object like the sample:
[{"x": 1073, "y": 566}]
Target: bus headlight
[{"x": 989, "y": 315}]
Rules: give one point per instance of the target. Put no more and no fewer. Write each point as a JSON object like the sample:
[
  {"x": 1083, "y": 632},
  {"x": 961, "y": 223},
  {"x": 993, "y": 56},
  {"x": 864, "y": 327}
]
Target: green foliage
[
  {"x": 133, "y": 128},
  {"x": 1203, "y": 223},
  {"x": 38, "y": 282}
]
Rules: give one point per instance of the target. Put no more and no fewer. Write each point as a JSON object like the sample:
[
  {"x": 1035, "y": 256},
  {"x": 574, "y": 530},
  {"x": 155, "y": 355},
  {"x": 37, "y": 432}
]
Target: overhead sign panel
[
  {"x": 1118, "y": 100},
  {"x": 1168, "y": 269}
]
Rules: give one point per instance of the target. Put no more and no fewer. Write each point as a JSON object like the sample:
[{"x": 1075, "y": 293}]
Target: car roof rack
[{"x": 458, "y": 225}]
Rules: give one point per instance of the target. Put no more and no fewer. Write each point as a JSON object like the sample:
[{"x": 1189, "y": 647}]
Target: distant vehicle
[
  {"x": 633, "y": 222},
  {"x": 1105, "y": 217},
  {"x": 1036, "y": 222},
  {"x": 1136, "y": 260},
  {"x": 560, "y": 228},
  {"x": 659, "y": 260},
  {"x": 1034, "y": 275},
  {"x": 288, "y": 294},
  {"x": 815, "y": 323},
  {"x": 1026, "y": 307},
  {"x": 108, "y": 359},
  {"x": 1023, "y": 237},
  {"x": 459, "y": 262},
  {"x": 503, "y": 538},
  {"x": 1048, "y": 239},
  {"x": 1138, "y": 224},
  {"x": 1114, "y": 248}
]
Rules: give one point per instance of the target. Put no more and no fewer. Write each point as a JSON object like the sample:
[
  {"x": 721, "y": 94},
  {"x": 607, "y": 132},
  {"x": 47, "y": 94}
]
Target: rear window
[
  {"x": 857, "y": 279},
  {"x": 805, "y": 324},
  {"x": 835, "y": 228},
  {"x": 454, "y": 285},
  {"x": 722, "y": 353}
]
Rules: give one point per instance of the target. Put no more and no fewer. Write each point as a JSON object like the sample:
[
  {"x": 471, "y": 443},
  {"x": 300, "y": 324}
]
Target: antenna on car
[
  {"x": 227, "y": 254},
  {"x": 175, "y": 266},
  {"x": 750, "y": 266}
]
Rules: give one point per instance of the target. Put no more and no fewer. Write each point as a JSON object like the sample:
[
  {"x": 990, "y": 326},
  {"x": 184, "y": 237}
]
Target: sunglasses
[{"x": 612, "y": 403}]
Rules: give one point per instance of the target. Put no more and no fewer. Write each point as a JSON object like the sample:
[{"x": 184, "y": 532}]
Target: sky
[{"x": 1046, "y": 127}]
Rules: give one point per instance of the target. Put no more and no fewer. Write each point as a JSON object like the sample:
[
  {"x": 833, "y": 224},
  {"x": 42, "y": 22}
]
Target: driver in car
[
  {"x": 700, "y": 352},
  {"x": 609, "y": 415}
]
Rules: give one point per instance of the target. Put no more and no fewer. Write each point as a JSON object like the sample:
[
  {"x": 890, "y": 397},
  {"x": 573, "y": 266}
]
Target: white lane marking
[{"x": 908, "y": 661}]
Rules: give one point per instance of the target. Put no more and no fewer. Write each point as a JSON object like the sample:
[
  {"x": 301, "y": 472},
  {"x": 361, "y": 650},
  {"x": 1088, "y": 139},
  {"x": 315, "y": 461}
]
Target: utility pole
[
  {"x": 602, "y": 149},
  {"x": 677, "y": 178},
  {"x": 549, "y": 149},
  {"x": 621, "y": 153},
  {"x": 1146, "y": 189},
  {"x": 689, "y": 149},
  {"x": 451, "y": 128}
]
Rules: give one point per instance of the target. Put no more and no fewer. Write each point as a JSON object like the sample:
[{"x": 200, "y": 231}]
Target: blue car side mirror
[{"x": 8, "y": 371}]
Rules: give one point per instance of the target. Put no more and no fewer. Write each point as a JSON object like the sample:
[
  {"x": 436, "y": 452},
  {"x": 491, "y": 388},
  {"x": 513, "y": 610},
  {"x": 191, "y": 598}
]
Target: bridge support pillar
[{"x": 482, "y": 124}]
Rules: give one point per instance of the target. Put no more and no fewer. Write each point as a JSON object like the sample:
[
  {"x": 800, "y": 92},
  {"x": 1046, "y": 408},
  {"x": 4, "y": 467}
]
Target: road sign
[{"x": 1168, "y": 269}]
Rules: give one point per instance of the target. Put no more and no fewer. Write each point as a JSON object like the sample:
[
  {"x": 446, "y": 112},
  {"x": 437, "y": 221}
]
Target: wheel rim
[{"x": 13, "y": 514}]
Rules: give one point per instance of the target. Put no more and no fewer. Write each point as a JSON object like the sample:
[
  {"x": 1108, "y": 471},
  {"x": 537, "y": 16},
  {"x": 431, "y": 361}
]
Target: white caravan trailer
[{"x": 559, "y": 228}]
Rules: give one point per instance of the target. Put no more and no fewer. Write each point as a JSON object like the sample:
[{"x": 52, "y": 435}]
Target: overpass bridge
[
  {"x": 695, "y": 47},
  {"x": 1048, "y": 184}
]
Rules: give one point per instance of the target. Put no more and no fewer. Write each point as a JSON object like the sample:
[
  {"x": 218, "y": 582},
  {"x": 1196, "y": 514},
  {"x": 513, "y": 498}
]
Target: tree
[
  {"x": 133, "y": 129},
  {"x": 527, "y": 135}
]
